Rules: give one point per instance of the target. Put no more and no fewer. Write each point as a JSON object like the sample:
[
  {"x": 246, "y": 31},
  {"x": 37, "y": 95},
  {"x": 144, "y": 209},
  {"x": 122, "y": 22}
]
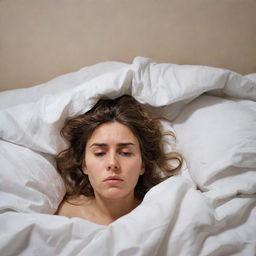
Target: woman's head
[
  {"x": 125, "y": 110},
  {"x": 113, "y": 161}
]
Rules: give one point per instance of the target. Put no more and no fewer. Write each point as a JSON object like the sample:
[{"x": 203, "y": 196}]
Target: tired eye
[
  {"x": 99, "y": 154},
  {"x": 124, "y": 153}
]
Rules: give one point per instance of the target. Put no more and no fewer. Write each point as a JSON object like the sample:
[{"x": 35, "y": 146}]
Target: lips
[{"x": 113, "y": 180}]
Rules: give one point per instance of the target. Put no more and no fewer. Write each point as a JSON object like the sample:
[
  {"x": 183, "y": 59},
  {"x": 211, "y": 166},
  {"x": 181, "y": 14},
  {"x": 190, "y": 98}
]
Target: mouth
[{"x": 113, "y": 180}]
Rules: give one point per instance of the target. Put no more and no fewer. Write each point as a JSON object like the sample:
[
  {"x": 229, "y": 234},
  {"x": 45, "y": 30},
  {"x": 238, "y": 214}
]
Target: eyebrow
[{"x": 122, "y": 144}]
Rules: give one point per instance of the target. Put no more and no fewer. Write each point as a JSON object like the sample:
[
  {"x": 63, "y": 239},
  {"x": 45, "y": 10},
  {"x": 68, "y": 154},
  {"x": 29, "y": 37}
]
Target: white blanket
[{"x": 207, "y": 209}]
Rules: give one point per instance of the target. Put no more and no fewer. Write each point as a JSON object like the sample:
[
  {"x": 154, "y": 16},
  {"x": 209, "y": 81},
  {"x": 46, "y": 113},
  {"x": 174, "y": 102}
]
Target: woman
[{"x": 115, "y": 150}]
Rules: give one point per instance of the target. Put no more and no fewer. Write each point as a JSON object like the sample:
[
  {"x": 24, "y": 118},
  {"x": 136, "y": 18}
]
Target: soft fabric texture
[
  {"x": 35, "y": 119},
  {"x": 173, "y": 219},
  {"x": 217, "y": 137},
  {"x": 209, "y": 208},
  {"x": 28, "y": 181}
]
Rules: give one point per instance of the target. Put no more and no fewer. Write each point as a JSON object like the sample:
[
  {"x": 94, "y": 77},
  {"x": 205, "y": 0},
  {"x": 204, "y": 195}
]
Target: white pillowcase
[
  {"x": 28, "y": 181},
  {"x": 217, "y": 137},
  {"x": 32, "y": 117}
]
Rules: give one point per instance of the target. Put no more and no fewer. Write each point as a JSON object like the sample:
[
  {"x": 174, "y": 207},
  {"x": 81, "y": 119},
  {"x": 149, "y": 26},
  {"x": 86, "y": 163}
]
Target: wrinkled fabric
[{"x": 209, "y": 208}]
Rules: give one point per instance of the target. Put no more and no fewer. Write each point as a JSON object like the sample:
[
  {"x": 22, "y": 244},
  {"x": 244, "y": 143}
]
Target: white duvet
[{"x": 209, "y": 208}]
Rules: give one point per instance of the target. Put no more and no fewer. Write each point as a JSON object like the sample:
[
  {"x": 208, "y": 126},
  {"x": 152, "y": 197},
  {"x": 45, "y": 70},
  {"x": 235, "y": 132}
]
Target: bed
[{"x": 207, "y": 208}]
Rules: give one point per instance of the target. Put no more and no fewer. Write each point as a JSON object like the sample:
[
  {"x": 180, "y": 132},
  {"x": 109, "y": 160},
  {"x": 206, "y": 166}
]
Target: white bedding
[{"x": 209, "y": 208}]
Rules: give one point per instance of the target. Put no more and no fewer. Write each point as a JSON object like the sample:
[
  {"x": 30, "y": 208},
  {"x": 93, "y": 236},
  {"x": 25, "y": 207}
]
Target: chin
[{"x": 115, "y": 193}]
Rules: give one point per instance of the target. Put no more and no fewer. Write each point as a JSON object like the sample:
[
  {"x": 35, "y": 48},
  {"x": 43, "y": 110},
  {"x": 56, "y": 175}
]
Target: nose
[
  {"x": 114, "y": 168},
  {"x": 113, "y": 164}
]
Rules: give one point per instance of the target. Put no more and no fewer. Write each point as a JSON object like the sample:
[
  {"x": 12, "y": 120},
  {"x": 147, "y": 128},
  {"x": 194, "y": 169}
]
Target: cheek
[
  {"x": 92, "y": 167},
  {"x": 135, "y": 166},
  {"x": 94, "y": 173}
]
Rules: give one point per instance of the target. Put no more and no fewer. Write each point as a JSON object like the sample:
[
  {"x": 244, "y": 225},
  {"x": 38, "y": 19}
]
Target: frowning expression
[{"x": 113, "y": 160}]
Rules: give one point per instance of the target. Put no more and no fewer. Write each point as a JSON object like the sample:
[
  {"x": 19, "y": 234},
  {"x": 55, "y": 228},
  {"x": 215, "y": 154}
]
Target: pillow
[
  {"x": 33, "y": 117},
  {"x": 58, "y": 84},
  {"x": 28, "y": 181},
  {"x": 251, "y": 76},
  {"x": 218, "y": 140}
]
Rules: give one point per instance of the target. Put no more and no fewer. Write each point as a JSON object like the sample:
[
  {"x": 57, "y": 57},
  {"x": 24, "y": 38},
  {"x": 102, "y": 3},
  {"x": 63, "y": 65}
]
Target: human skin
[
  {"x": 113, "y": 150},
  {"x": 113, "y": 164}
]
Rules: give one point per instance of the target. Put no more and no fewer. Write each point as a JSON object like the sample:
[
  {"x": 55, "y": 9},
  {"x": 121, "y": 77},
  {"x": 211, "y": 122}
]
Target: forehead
[{"x": 113, "y": 132}]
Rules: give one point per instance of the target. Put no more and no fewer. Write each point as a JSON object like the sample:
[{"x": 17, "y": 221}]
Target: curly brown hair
[{"x": 147, "y": 129}]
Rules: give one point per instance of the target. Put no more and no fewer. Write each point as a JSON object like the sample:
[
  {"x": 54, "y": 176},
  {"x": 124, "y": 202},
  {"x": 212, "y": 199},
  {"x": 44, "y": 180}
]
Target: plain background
[{"x": 42, "y": 39}]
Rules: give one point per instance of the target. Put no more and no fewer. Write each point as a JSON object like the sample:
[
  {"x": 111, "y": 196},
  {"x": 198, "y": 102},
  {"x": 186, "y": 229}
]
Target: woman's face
[{"x": 113, "y": 161}]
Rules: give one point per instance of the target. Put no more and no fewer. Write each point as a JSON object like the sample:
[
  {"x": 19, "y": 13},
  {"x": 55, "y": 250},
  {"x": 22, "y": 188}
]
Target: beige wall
[{"x": 45, "y": 38}]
